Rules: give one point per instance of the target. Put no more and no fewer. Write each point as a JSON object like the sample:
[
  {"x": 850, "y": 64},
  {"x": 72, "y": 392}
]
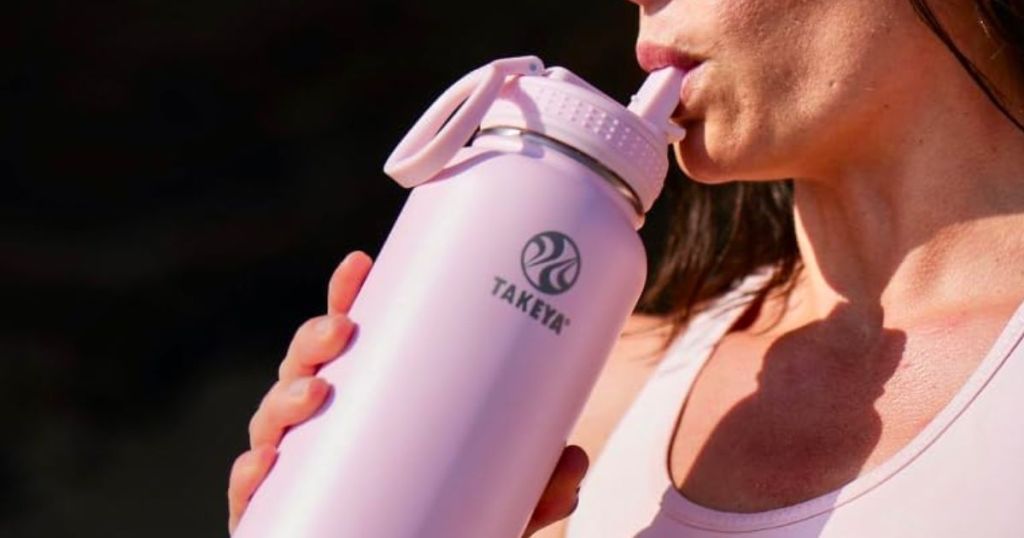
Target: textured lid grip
[{"x": 428, "y": 146}]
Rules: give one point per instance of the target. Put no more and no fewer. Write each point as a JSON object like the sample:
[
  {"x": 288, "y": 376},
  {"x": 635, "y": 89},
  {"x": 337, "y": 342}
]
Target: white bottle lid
[
  {"x": 519, "y": 93},
  {"x": 629, "y": 142}
]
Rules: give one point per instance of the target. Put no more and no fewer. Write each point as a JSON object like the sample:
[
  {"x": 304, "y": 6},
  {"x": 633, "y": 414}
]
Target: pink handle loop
[{"x": 431, "y": 143}]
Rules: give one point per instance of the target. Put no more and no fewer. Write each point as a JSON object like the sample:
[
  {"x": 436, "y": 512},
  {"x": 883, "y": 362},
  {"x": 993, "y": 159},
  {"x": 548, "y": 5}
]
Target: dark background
[{"x": 179, "y": 180}]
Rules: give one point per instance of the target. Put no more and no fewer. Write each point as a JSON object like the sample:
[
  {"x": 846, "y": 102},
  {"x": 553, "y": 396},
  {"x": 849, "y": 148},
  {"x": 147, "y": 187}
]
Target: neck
[{"x": 931, "y": 224}]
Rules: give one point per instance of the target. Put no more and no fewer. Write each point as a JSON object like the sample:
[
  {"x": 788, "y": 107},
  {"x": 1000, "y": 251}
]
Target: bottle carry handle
[{"x": 431, "y": 143}]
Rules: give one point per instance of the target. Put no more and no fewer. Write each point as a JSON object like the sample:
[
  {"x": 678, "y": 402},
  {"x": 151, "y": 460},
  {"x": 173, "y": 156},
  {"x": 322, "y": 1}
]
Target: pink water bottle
[{"x": 488, "y": 314}]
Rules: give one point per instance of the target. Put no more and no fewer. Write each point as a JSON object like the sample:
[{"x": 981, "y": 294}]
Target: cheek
[
  {"x": 744, "y": 101},
  {"x": 788, "y": 93}
]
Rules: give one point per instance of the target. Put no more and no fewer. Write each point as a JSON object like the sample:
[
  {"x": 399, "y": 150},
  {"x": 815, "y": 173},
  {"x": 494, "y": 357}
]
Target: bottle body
[{"x": 481, "y": 330}]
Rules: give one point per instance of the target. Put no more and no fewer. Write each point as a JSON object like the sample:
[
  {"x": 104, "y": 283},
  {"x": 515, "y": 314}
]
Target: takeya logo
[
  {"x": 532, "y": 305},
  {"x": 551, "y": 263}
]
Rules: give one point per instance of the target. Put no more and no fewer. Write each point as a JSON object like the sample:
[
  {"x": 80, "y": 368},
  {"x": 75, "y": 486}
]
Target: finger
[
  {"x": 317, "y": 341},
  {"x": 560, "y": 496},
  {"x": 346, "y": 281},
  {"x": 288, "y": 403},
  {"x": 247, "y": 473}
]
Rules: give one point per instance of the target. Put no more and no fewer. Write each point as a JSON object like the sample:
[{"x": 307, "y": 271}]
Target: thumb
[{"x": 560, "y": 497}]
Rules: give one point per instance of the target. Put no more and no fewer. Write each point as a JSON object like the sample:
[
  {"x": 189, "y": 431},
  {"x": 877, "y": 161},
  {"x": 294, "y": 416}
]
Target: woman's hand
[
  {"x": 561, "y": 494},
  {"x": 298, "y": 394}
]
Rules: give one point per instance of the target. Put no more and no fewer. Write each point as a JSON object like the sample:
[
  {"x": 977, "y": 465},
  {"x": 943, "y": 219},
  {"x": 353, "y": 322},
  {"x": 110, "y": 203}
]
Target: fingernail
[
  {"x": 299, "y": 387},
  {"x": 245, "y": 461},
  {"x": 325, "y": 327}
]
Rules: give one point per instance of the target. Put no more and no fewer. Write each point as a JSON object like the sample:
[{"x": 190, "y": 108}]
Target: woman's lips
[{"x": 652, "y": 57}]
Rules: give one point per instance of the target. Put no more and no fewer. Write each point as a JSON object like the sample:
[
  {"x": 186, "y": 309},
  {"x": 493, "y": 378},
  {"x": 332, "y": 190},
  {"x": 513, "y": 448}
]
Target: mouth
[{"x": 652, "y": 57}]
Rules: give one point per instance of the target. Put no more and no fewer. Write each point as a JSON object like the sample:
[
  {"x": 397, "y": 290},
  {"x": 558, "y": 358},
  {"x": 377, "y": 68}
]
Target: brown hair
[{"x": 720, "y": 234}]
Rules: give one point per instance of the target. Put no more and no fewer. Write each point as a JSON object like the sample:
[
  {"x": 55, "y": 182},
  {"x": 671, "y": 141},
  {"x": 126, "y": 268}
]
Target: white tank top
[{"x": 961, "y": 477}]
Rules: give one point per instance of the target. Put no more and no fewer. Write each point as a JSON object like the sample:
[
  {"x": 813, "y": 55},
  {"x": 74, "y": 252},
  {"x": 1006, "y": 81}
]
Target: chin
[
  {"x": 692, "y": 157},
  {"x": 719, "y": 163}
]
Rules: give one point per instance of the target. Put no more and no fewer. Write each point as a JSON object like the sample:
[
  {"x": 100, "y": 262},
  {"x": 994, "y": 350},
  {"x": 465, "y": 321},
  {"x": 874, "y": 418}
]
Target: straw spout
[{"x": 657, "y": 99}]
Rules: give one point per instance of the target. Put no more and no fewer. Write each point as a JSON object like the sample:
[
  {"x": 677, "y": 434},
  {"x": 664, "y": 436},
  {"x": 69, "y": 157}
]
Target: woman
[{"x": 849, "y": 363}]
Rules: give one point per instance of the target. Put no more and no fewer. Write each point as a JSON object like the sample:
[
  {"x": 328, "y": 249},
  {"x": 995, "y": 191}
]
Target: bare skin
[
  {"x": 908, "y": 207},
  {"x": 904, "y": 171}
]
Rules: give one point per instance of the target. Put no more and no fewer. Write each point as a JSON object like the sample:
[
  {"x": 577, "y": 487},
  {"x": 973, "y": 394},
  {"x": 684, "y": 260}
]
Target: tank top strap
[
  {"x": 709, "y": 326},
  {"x": 673, "y": 376}
]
